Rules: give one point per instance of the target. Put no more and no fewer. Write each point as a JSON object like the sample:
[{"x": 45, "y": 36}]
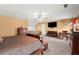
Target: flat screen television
[{"x": 52, "y": 24}]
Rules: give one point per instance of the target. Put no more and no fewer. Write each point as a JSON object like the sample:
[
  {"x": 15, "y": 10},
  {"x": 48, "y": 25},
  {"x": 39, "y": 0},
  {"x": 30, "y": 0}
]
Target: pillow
[{"x": 1, "y": 39}]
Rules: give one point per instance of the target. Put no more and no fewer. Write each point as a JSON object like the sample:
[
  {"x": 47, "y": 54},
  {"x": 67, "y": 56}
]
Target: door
[{"x": 43, "y": 29}]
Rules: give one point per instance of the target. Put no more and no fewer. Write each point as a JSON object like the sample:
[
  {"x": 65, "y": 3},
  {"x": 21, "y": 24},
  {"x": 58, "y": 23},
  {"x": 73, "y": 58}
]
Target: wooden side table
[{"x": 45, "y": 43}]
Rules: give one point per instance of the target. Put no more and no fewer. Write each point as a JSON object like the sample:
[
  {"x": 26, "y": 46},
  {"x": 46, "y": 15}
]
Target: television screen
[{"x": 52, "y": 24}]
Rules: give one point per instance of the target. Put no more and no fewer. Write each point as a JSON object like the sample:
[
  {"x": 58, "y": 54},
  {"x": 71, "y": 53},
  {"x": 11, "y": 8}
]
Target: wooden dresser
[
  {"x": 52, "y": 33},
  {"x": 75, "y": 43}
]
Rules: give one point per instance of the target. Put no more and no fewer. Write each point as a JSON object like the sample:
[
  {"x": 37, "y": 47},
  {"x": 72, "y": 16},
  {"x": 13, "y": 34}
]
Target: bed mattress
[{"x": 20, "y": 45}]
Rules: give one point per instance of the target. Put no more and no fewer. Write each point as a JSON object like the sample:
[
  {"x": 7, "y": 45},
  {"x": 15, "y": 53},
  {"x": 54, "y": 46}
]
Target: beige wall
[
  {"x": 8, "y": 25},
  {"x": 60, "y": 27},
  {"x": 39, "y": 26},
  {"x": 63, "y": 27}
]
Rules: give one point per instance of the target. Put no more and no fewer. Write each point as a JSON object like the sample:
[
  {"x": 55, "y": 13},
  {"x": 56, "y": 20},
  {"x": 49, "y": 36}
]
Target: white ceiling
[{"x": 28, "y": 11}]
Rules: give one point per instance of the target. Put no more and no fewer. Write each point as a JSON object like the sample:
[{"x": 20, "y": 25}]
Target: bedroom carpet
[{"x": 57, "y": 46}]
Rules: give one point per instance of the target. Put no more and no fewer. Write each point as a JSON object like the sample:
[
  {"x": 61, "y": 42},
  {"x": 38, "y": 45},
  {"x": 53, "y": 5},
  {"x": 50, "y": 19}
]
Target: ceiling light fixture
[{"x": 39, "y": 17}]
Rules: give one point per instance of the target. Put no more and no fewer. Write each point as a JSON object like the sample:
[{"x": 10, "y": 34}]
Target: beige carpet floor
[{"x": 57, "y": 46}]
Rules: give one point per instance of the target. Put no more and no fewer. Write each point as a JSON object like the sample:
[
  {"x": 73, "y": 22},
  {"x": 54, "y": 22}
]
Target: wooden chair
[{"x": 65, "y": 35}]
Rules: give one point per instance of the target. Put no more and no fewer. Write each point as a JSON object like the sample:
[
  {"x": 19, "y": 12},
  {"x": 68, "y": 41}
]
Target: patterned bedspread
[{"x": 20, "y": 45}]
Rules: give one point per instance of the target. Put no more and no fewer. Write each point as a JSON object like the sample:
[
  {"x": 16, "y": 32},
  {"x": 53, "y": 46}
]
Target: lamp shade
[{"x": 74, "y": 20}]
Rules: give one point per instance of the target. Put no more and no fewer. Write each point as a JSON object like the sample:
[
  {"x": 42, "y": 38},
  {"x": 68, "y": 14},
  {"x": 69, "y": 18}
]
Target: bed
[{"x": 21, "y": 45}]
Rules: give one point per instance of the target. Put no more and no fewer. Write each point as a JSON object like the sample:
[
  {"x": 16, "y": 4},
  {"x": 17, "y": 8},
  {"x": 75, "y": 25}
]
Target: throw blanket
[{"x": 19, "y": 45}]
